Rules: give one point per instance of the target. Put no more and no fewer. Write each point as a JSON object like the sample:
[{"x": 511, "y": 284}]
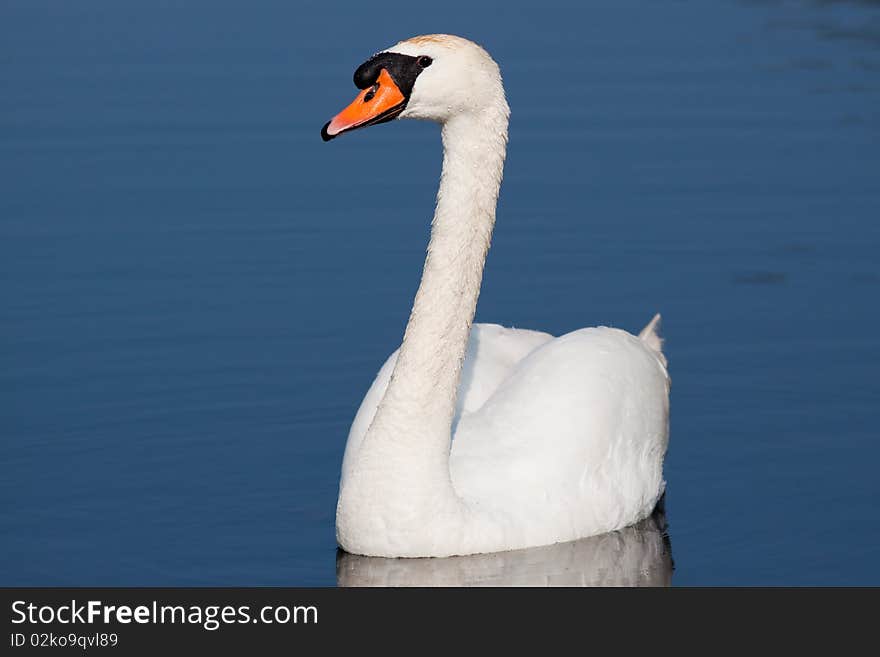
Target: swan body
[{"x": 475, "y": 438}]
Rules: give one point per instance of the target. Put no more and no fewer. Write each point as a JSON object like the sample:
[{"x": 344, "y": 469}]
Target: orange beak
[{"x": 376, "y": 104}]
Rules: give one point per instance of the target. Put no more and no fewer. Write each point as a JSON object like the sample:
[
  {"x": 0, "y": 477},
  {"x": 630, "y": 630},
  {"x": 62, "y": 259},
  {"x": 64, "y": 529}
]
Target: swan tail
[{"x": 650, "y": 335}]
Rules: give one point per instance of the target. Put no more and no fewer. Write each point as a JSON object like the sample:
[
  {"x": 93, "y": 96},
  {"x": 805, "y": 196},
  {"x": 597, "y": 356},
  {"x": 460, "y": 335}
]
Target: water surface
[{"x": 197, "y": 291}]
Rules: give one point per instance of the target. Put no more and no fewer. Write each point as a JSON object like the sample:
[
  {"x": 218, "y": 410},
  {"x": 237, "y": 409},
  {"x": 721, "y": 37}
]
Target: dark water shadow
[
  {"x": 640, "y": 555},
  {"x": 862, "y": 24}
]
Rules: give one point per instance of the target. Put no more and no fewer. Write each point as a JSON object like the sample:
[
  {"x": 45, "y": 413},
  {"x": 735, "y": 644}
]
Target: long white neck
[
  {"x": 423, "y": 387},
  {"x": 402, "y": 469}
]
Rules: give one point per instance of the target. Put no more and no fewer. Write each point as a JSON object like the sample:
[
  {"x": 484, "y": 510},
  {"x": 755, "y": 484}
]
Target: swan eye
[{"x": 425, "y": 61}]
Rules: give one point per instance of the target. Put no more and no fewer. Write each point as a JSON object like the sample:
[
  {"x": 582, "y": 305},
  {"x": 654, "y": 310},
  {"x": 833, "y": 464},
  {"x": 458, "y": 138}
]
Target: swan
[{"x": 475, "y": 438}]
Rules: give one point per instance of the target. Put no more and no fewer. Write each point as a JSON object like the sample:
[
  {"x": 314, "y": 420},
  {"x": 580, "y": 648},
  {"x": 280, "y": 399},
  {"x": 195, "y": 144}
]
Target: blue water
[{"x": 196, "y": 291}]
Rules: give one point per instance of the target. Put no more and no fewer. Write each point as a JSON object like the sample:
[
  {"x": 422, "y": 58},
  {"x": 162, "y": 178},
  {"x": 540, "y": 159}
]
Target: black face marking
[{"x": 403, "y": 69}]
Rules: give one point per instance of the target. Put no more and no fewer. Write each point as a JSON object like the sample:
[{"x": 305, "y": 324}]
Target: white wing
[{"x": 572, "y": 442}]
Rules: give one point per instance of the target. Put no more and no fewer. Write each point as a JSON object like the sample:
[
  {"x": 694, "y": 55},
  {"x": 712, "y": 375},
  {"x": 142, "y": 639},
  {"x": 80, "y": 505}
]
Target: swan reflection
[{"x": 635, "y": 556}]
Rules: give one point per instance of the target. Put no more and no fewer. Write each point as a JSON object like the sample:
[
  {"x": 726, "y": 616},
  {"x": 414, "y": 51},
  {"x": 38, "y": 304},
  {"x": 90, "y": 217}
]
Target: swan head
[{"x": 436, "y": 77}]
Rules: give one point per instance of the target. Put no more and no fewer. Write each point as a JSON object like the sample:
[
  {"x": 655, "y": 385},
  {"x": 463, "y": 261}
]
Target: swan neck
[
  {"x": 401, "y": 473},
  {"x": 417, "y": 410},
  {"x": 429, "y": 366}
]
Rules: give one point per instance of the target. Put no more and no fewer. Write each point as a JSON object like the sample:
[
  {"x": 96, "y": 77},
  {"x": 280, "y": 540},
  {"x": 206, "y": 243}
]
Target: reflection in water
[{"x": 636, "y": 556}]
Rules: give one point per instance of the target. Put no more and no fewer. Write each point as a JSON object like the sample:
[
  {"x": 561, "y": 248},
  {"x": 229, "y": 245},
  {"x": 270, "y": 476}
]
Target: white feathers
[
  {"x": 554, "y": 438},
  {"x": 650, "y": 335}
]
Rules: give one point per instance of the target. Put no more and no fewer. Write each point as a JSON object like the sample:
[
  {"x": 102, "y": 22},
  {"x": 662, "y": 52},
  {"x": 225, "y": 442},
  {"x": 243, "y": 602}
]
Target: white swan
[{"x": 555, "y": 439}]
